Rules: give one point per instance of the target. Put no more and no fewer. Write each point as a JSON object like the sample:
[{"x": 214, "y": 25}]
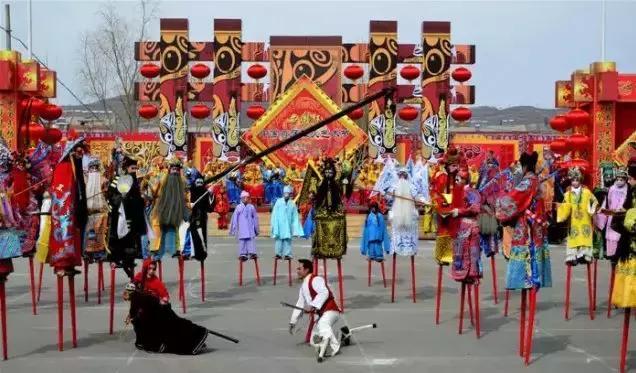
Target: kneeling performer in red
[{"x": 315, "y": 297}]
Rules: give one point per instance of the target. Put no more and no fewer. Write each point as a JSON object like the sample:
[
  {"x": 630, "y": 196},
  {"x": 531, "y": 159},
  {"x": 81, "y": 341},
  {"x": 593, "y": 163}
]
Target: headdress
[
  {"x": 94, "y": 162},
  {"x": 575, "y": 173},
  {"x": 71, "y": 145},
  {"x": 131, "y": 286},
  {"x": 244, "y": 194},
  {"x": 287, "y": 189},
  {"x": 175, "y": 162},
  {"x": 621, "y": 172}
]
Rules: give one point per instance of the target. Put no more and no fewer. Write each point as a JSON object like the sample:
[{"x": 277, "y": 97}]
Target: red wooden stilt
[
  {"x": 438, "y": 295},
  {"x": 340, "y": 284},
  {"x": 310, "y": 327},
  {"x": 101, "y": 275},
  {"x": 594, "y": 281},
  {"x": 369, "y": 272},
  {"x": 275, "y": 269},
  {"x": 3, "y": 315},
  {"x": 32, "y": 281},
  {"x": 240, "y": 272},
  {"x": 530, "y": 330},
  {"x": 462, "y": 297},
  {"x": 413, "y": 277},
  {"x": 202, "y": 281},
  {"x": 315, "y": 266},
  {"x": 469, "y": 291},
  {"x": 324, "y": 267},
  {"x": 507, "y": 299},
  {"x": 611, "y": 289},
  {"x": 85, "y": 280},
  {"x": 383, "y": 274},
  {"x": 60, "y": 313},
  {"x": 590, "y": 296},
  {"x": 522, "y": 322},
  {"x": 40, "y": 281},
  {"x": 160, "y": 270},
  {"x": 182, "y": 284},
  {"x": 258, "y": 275},
  {"x": 393, "y": 282},
  {"x": 71, "y": 295},
  {"x": 100, "y": 281},
  {"x": 568, "y": 278},
  {"x": 289, "y": 271},
  {"x": 493, "y": 268},
  {"x": 477, "y": 325},
  {"x": 624, "y": 339},
  {"x": 112, "y": 299}
]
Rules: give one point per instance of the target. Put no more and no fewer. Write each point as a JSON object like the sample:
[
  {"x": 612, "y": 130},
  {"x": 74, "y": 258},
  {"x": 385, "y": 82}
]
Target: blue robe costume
[
  {"x": 375, "y": 238},
  {"x": 232, "y": 185},
  {"x": 285, "y": 224}
]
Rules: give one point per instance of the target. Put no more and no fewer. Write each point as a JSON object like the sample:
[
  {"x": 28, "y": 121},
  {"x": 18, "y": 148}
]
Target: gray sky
[{"x": 522, "y": 46}]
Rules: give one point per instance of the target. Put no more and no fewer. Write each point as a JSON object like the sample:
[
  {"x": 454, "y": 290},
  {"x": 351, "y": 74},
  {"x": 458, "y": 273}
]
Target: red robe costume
[
  {"x": 152, "y": 285},
  {"x": 222, "y": 206}
]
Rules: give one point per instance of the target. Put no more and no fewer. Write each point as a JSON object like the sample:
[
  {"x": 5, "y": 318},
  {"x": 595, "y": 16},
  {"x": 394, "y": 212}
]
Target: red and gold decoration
[
  {"x": 602, "y": 115},
  {"x": 301, "y": 106}
]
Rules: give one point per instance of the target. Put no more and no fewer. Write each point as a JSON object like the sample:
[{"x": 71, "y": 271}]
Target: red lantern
[
  {"x": 51, "y": 112},
  {"x": 408, "y": 113},
  {"x": 148, "y": 111},
  {"x": 200, "y": 71},
  {"x": 200, "y": 111},
  {"x": 410, "y": 72},
  {"x": 461, "y": 74},
  {"x": 461, "y": 114},
  {"x": 35, "y": 131},
  {"x": 558, "y": 146},
  {"x": 577, "y": 117},
  {"x": 255, "y": 111},
  {"x": 52, "y": 136},
  {"x": 559, "y": 123},
  {"x": 257, "y": 71},
  {"x": 150, "y": 70},
  {"x": 36, "y": 105},
  {"x": 578, "y": 142},
  {"x": 356, "y": 114},
  {"x": 353, "y": 72}
]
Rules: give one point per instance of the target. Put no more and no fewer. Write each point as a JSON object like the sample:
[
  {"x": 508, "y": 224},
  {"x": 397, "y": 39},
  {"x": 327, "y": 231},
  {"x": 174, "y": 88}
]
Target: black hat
[{"x": 127, "y": 162}]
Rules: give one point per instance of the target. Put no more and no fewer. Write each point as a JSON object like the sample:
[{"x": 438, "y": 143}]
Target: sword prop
[
  {"x": 347, "y": 333},
  {"x": 289, "y": 305},
  {"x": 223, "y": 336},
  {"x": 386, "y": 92}
]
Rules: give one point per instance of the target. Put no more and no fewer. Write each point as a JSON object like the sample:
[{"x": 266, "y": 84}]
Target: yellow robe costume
[{"x": 579, "y": 208}]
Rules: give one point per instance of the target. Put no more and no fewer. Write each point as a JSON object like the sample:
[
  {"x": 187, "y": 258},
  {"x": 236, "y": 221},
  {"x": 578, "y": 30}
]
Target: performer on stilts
[
  {"x": 612, "y": 203},
  {"x": 315, "y": 298},
  {"x": 244, "y": 226},
  {"x": 330, "y": 235},
  {"x": 404, "y": 223},
  {"x": 285, "y": 224},
  {"x": 97, "y": 226},
  {"x": 528, "y": 265},
  {"x": 624, "y": 292},
  {"x": 221, "y": 206},
  {"x": 443, "y": 185},
  {"x": 489, "y": 188},
  {"x": 579, "y": 206},
  {"x": 375, "y": 241},
  {"x": 201, "y": 204},
  {"x": 467, "y": 266},
  {"x": 69, "y": 215}
]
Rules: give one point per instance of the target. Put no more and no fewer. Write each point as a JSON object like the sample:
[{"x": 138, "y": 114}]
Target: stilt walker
[
  {"x": 244, "y": 226},
  {"x": 466, "y": 266},
  {"x": 97, "y": 226},
  {"x": 612, "y": 203},
  {"x": 330, "y": 236},
  {"x": 285, "y": 225},
  {"x": 523, "y": 208},
  {"x": 42, "y": 244},
  {"x": 69, "y": 215},
  {"x": 624, "y": 291},
  {"x": 201, "y": 204},
  {"x": 579, "y": 206},
  {"x": 126, "y": 225},
  {"x": 404, "y": 224},
  {"x": 375, "y": 240}
]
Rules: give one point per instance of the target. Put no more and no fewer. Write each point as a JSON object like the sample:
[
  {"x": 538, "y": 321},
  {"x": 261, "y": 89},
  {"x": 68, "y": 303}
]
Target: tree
[{"x": 108, "y": 68}]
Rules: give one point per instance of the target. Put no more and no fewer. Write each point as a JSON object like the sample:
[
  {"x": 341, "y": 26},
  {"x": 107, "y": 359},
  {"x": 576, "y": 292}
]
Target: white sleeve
[
  {"x": 300, "y": 304},
  {"x": 322, "y": 293}
]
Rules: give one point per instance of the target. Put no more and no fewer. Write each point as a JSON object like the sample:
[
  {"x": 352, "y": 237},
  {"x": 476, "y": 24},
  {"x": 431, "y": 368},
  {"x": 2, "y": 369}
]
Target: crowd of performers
[{"x": 63, "y": 207}]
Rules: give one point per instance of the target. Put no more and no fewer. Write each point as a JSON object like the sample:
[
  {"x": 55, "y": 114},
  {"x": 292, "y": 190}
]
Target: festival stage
[{"x": 406, "y": 340}]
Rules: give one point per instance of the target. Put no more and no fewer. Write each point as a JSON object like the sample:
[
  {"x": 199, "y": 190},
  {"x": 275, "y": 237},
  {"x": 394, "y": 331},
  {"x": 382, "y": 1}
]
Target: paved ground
[{"x": 406, "y": 340}]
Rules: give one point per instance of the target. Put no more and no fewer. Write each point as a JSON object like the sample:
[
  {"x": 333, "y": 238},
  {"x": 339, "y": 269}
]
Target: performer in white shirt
[{"x": 315, "y": 297}]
